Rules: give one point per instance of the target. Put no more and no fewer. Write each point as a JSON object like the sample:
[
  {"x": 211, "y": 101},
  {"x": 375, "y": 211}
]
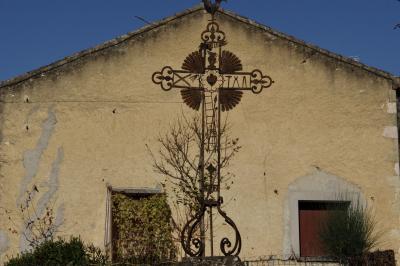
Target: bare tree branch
[{"x": 178, "y": 159}]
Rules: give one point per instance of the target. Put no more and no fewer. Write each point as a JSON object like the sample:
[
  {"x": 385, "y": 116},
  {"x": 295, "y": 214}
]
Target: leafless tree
[
  {"x": 38, "y": 227},
  {"x": 178, "y": 159}
]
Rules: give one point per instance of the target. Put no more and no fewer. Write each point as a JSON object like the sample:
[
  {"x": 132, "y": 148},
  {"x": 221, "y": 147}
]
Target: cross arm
[
  {"x": 169, "y": 78},
  {"x": 255, "y": 81}
]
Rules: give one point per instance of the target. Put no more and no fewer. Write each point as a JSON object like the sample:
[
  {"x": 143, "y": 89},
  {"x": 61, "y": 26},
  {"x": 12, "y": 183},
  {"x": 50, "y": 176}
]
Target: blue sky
[{"x": 39, "y": 32}]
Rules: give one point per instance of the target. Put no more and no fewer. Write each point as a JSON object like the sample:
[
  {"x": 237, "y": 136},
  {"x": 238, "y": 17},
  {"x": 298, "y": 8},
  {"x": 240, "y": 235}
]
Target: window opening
[
  {"x": 139, "y": 226},
  {"x": 312, "y": 215}
]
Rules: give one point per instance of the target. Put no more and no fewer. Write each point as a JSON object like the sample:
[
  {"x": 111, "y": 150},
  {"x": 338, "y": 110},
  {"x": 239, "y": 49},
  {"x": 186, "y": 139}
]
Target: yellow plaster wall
[{"x": 88, "y": 122}]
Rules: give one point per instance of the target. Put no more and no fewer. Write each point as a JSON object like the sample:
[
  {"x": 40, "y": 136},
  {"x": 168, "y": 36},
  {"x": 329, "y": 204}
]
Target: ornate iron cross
[{"x": 211, "y": 79}]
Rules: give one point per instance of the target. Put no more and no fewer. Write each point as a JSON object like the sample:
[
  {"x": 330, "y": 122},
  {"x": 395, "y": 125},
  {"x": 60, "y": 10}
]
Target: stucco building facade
[{"x": 80, "y": 125}]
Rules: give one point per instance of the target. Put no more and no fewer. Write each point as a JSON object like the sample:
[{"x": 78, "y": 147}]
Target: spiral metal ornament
[
  {"x": 193, "y": 246},
  {"x": 164, "y": 78},
  {"x": 213, "y": 81},
  {"x": 226, "y": 244},
  {"x": 259, "y": 81},
  {"x": 213, "y": 36}
]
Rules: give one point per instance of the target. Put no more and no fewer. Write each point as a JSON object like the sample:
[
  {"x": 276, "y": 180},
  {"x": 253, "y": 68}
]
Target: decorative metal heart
[{"x": 212, "y": 79}]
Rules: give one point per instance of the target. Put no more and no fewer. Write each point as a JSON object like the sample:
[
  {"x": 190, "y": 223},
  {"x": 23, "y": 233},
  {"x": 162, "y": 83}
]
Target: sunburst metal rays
[
  {"x": 194, "y": 63},
  {"x": 229, "y": 99},
  {"x": 230, "y": 63},
  {"x": 212, "y": 80},
  {"x": 192, "y": 98}
]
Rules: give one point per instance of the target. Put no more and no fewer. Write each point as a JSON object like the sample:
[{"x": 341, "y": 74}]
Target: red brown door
[
  {"x": 310, "y": 222},
  {"x": 312, "y": 216}
]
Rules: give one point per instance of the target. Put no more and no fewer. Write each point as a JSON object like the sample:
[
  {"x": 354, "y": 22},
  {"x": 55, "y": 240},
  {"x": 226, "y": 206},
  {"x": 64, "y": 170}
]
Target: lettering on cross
[
  {"x": 211, "y": 75},
  {"x": 212, "y": 79}
]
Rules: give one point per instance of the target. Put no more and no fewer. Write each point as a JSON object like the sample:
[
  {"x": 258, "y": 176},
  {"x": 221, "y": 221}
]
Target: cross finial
[
  {"x": 211, "y": 79},
  {"x": 212, "y": 7}
]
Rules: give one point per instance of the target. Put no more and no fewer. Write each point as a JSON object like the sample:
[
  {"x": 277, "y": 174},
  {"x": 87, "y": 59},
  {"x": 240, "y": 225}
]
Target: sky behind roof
[{"x": 37, "y": 33}]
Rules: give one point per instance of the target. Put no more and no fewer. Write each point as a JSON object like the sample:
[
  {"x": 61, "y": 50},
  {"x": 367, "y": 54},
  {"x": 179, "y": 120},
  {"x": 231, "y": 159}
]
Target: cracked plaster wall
[
  {"x": 82, "y": 126},
  {"x": 31, "y": 158},
  {"x": 47, "y": 198}
]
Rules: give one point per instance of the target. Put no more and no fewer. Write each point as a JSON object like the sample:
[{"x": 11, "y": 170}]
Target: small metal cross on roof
[{"x": 212, "y": 79}]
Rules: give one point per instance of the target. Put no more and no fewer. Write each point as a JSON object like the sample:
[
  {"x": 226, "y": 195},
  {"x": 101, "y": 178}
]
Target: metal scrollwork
[
  {"x": 259, "y": 81},
  {"x": 193, "y": 246},
  {"x": 226, "y": 244},
  {"x": 211, "y": 80},
  {"x": 165, "y": 78},
  {"x": 213, "y": 34}
]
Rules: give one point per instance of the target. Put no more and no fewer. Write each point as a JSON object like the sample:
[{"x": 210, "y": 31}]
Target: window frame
[
  {"x": 135, "y": 192},
  {"x": 318, "y": 205},
  {"x": 293, "y": 212}
]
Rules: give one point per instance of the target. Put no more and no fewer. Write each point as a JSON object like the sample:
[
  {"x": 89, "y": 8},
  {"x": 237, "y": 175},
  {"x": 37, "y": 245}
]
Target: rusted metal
[
  {"x": 211, "y": 79},
  {"x": 212, "y": 7}
]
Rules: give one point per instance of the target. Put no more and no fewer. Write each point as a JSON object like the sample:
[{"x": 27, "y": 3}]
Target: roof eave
[
  {"x": 328, "y": 53},
  {"x": 116, "y": 41}
]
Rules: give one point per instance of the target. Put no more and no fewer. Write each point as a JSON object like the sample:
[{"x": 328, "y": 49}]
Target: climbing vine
[{"x": 143, "y": 229}]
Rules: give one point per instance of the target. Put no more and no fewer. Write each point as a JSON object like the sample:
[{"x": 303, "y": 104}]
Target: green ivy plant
[{"x": 143, "y": 230}]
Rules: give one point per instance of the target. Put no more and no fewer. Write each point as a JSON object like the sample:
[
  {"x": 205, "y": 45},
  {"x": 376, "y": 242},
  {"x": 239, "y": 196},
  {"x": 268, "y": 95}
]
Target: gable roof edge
[
  {"x": 86, "y": 52},
  {"x": 328, "y": 53},
  {"x": 120, "y": 39}
]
